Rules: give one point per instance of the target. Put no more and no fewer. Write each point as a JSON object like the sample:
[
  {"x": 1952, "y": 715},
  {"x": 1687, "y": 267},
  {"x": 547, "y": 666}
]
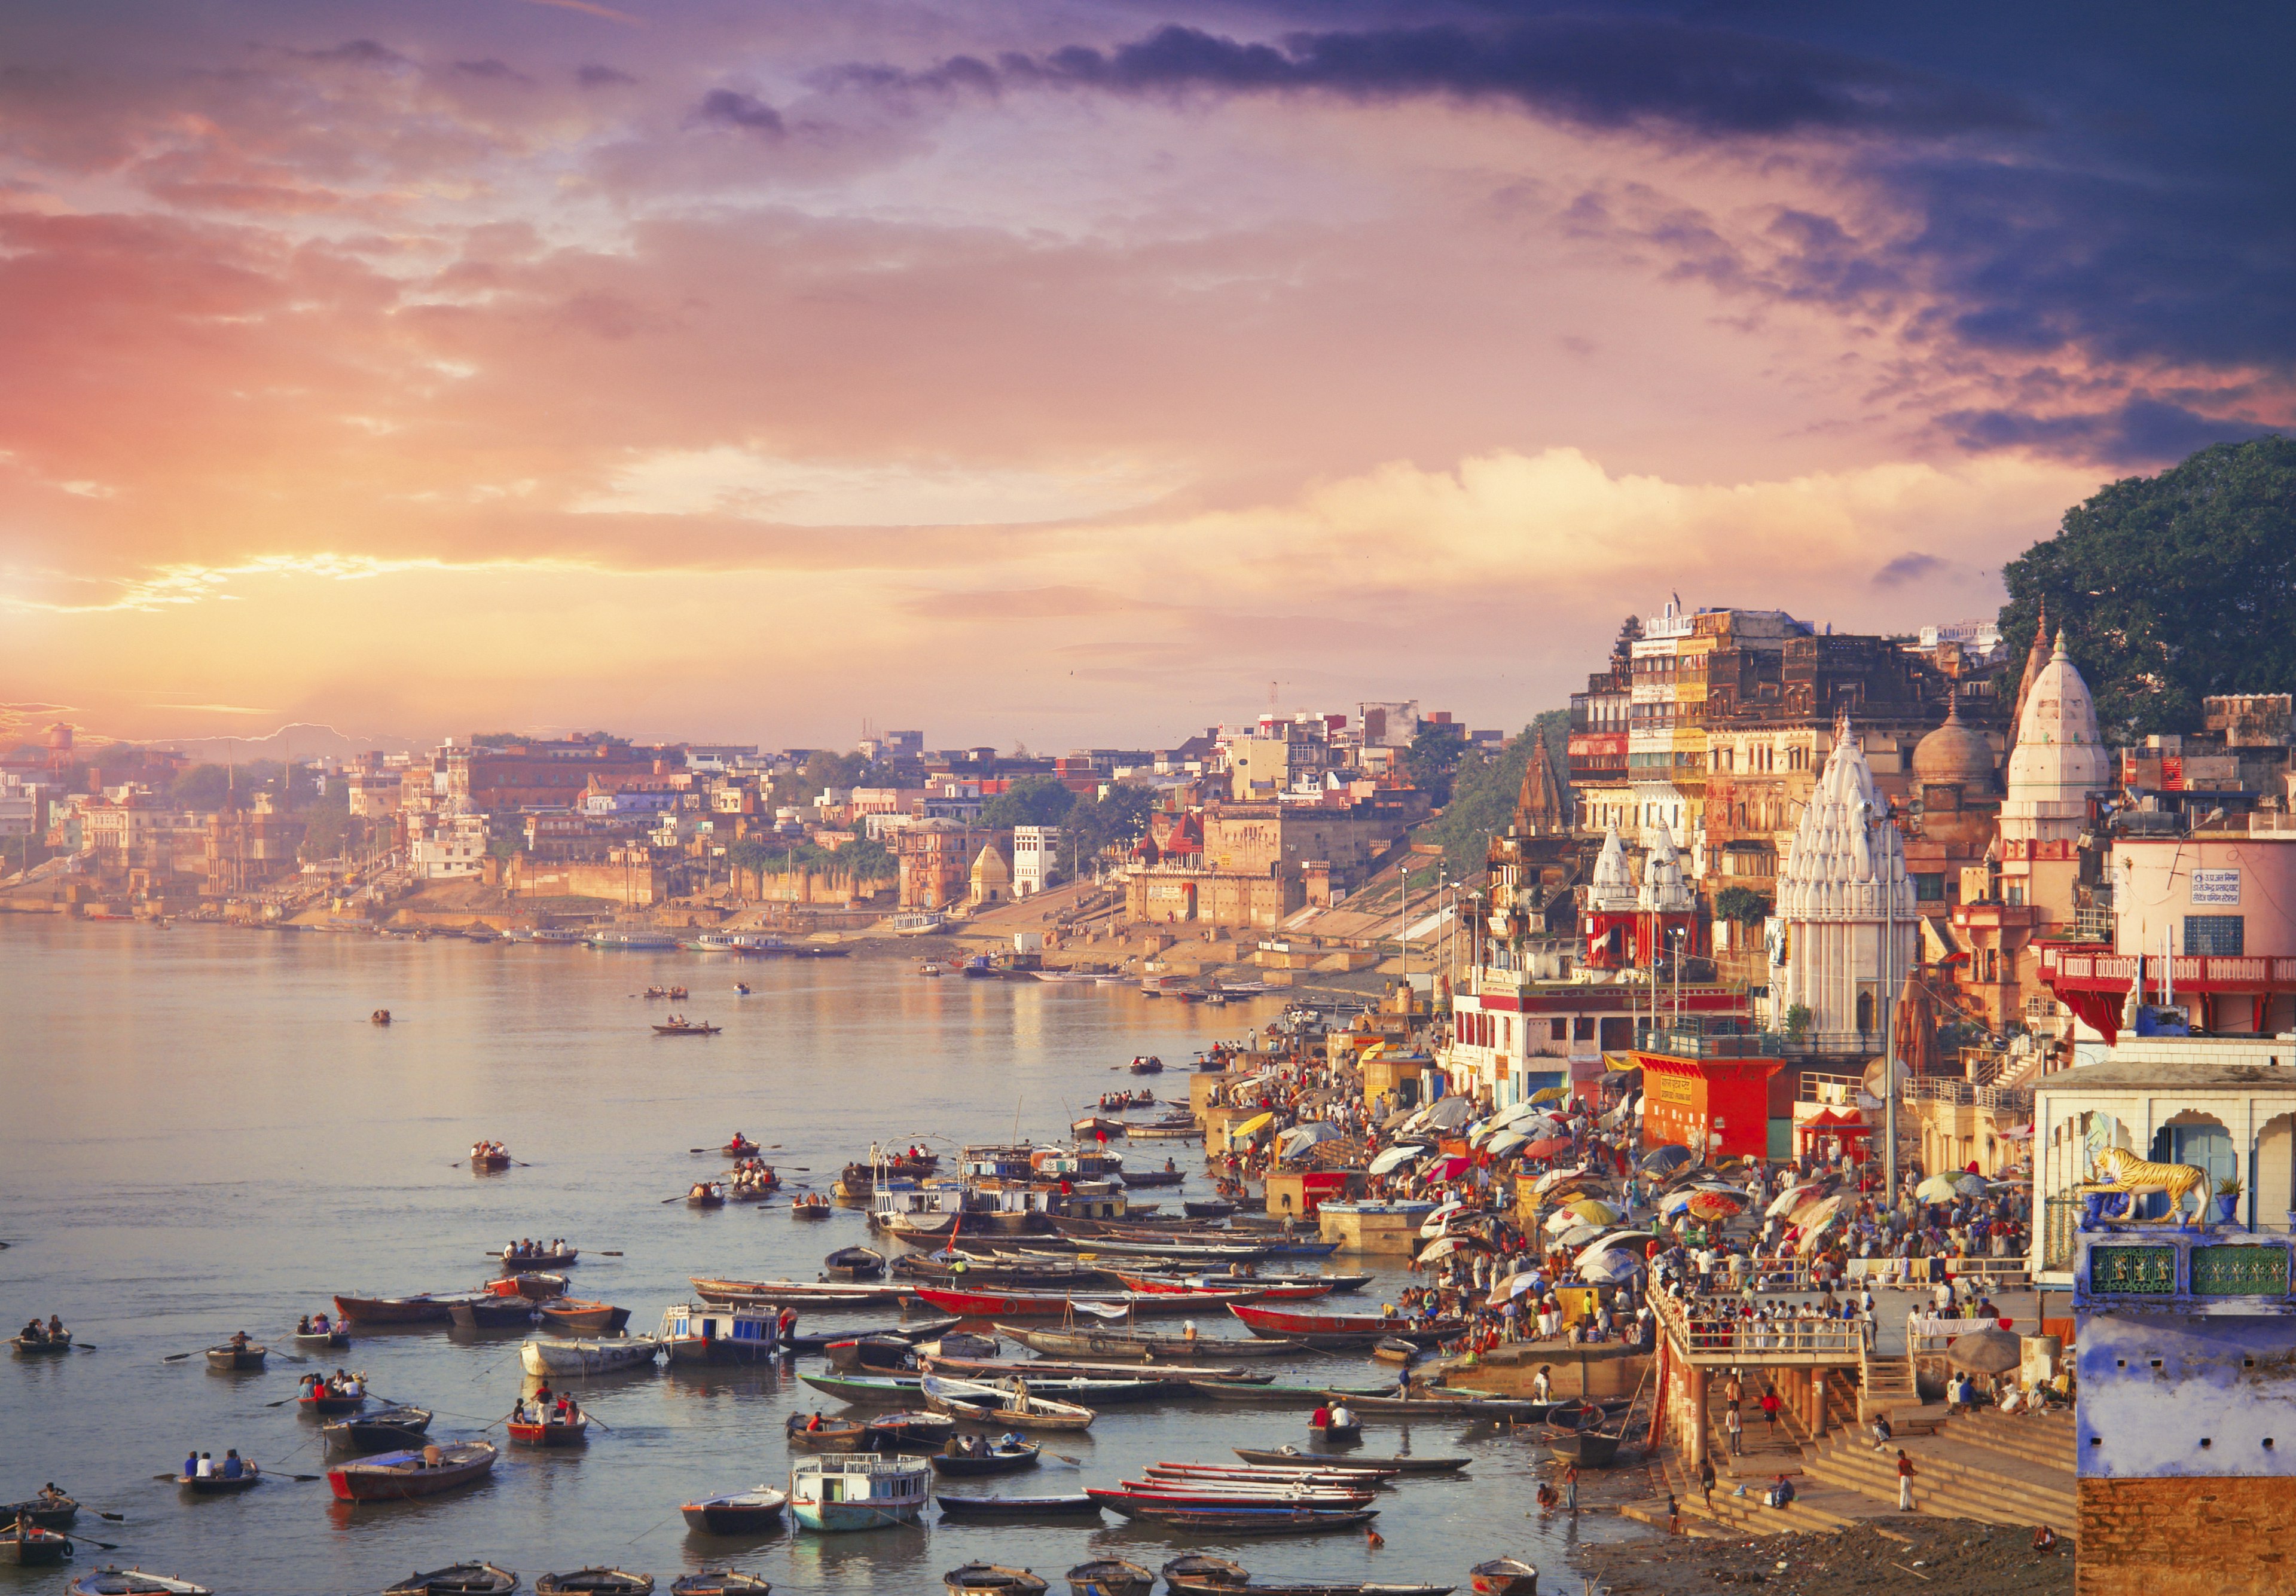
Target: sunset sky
[{"x": 1068, "y": 374}]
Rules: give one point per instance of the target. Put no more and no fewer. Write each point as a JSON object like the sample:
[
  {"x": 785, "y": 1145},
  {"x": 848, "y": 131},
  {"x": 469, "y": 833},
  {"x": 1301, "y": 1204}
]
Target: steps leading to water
[{"x": 1955, "y": 1480}]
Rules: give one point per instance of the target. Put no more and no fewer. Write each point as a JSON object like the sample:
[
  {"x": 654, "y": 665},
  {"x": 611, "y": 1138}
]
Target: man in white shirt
[
  {"x": 207, "y": 1466},
  {"x": 1342, "y": 1417}
]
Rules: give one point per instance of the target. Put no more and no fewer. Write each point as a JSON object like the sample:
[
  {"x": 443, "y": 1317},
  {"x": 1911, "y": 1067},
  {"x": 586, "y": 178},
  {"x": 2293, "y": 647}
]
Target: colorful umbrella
[
  {"x": 1555, "y": 1177},
  {"x": 1709, "y": 1204},
  {"x": 1787, "y": 1200},
  {"x": 1553, "y": 1147},
  {"x": 1592, "y": 1211},
  {"x": 1615, "y": 1239}
]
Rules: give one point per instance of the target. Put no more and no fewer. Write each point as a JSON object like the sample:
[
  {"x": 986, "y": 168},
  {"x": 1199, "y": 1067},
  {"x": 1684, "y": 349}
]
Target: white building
[
  {"x": 1845, "y": 930},
  {"x": 20, "y": 806},
  {"x": 1036, "y": 858},
  {"x": 443, "y": 846},
  {"x": 2059, "y": 764}
]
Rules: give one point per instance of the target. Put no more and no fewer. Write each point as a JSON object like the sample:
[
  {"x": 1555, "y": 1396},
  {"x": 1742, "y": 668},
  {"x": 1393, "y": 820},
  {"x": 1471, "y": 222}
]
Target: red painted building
[{"x": 1719, "y": 1106}]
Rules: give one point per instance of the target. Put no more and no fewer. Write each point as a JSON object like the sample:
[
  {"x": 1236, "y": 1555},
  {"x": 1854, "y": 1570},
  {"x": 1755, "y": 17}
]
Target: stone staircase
[
  {"x": 1885, "y": 1385},
  {"x": 1986, "y": 1467},
  {"x": 1818, "y": 1504}
]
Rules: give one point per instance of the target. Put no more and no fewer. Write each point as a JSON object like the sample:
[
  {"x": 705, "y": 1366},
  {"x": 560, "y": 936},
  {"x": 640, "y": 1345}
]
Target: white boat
[
  {"x": 560, "y": 934},
  {"x": 560, "y": 1359},
  {"x": 918, "y": 922},
  {"x": 632, "y": 941},
  {"x": 713, "y": 942},
  {"x": 702, "y": 1333},
  {"x": 832, "y": 1492}
]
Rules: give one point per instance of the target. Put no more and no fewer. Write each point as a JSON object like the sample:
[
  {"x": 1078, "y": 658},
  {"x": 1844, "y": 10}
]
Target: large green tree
[
  {"x": 1030, "y": 801},
  {"x": 1483, "y": 790},
  {"x": 2171, "y": 588}
]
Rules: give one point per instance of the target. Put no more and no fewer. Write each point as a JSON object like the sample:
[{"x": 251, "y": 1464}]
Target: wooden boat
[
  {"x": 490, "y": 1161},
  {"x": 492, "y": 1312},
  {"x": 1097, "y": 1127},
  {"x": 1152, "y": 1177},
  {"x": 42, "y": 1347},
  {"x": 1354, "y": 1460},
  {"x": 1395, "y": 1349},
  {"x": 1437, "y": 1402},
  {"x": 399, "y": 1476},
  {"x": 1341, "y": 1331},
  {"x": 683, "y": 1027},
  {"x": 560, "y": 1360},
  {"x": 720, "y": 1582},
  {"x": 835, "y": 1435},
  {"x": 1150, "y": 1065},
  {"x": 854, "y": 1263},
  {"x": 872, "y": 1355},
  {"x": 1003, "y": 1408},
  {"x": 710, "y": 1198},
  {"x": 1213, "y": 1493},
  {"x": 594, "y": 1582},
  {"x": 1111, "y": 1577},
  {"x": 814, "y": 1206},
  {"x": 837, "y": 1494},
  {"x": 114, "y": 1580},
  {"x": 1336, "y": 1435},
  {"x": 1015, "y": 1510},
  {"x": 550, "y": 1432},
  {"x": 918, "y": 1432},
  {"x": 518, "y": 1263},
  {"x": 577, "y": 1315},
  {"x": 740, "y": 1147},
  {"x": 996, "y": 1460},
  {"x": 923, "y": 1330},
  {"x": 1045, "y": 1304},
  {"x": 48, "y": 1514},
  {"x": 1204, "y": 1573},
  {"x": 1206, "y": 1207},
  {"x": 816, "y": 1294},
  {"x": 320, "y": 1340},
  {"x": 239, "y": 1360},
  {"x": 1144, "y": 1345},
  {"x": 218, "y": 1484},
  {"x": 1306, "y": 1474},
  {"x": 1504, "y": 1576},
  {"x": 535, "y": 1285},
  {"x": 1575, "y": 1435},
  {"x": 320, "y": 1400},
  {"x": 458, "y": 1579},
  {"x": 1269, "y": 1520},
  {"x": 1169, "y": 1379},
  {"x": 708, "y": 1333},
  {"x": 736, "y": 1512},
  {"x": 378, "y": 1430},
  {"x": 1186, "y": 1587},
  {"x": 991, "y": 1579},
  {"x": 423, "y": 1308},
  {"x": 34, "y": 1547},
  {"x": 1264, "y": 1288}
]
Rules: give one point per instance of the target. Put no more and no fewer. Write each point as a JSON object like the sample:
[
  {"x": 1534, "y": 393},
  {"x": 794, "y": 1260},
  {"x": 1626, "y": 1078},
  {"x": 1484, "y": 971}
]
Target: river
[{"x": 206, "y": 1135}]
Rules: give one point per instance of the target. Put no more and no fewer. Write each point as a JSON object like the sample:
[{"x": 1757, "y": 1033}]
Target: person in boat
[
  {"x": 1342, "y": 1417},
  {"x": 309, "y": 1386},
  {"x": 51, "y": 1496},
  {"x": 1321, "y": 1419},
  {"x": 190, "y": 1464},
  {"x": 34, "y": 1330},
  {"x": 206, "y": 1467},
  {"x": 303, "y": 1326},
  {"x": 232, "y": 1468},
  {"x": 239, "y": 1341}
]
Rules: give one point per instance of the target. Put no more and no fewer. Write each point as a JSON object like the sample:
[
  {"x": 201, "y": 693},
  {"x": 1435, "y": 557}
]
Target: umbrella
[
  {"x": 1615, "y": 1239},
  {"x": 1659, "y": 1160},
  {"x": 1790, "y": 1198},
  {"x": 1938, "y": 1188},
  {"x": 1554, "y": 1177},
  {"x": 1297, "y": 1138},
  {"x": 1443, "y": 1247},
  {"x": 1986, "y": 1351},
  {"x": 1395, "y": 1157},
  {"x": 1435, "y": 1222},
  {"x": 1449, "y": 1113},
  {"x": 1971, "y": 1184},
  {"x": 1611, "y": 1267},
  {"x": 1549, "y": 1094},
  {"x": 1551, "y": 1146},
  {"x": 1514, "y": 1111},
  {"x": 1592, "y": 1211},
  {"x": 1577, "y": 1233},
  {"x": 1675, "y": 1202},
  {"x": 1505, "y": 1142},
  {"x": 1707, "y": 1203}
]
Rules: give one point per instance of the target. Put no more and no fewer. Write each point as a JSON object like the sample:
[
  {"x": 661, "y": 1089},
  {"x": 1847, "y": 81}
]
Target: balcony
[{"x": 2064, "y": 968}]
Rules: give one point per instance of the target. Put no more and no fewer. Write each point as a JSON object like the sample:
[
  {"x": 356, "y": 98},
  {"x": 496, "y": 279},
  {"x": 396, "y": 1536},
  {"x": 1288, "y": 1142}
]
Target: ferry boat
[
  {"x": 633, "y": 941},
  {"x": 562, "y": 936},
  {"x": 701, "y": 1333},
  {"x": 712, "y": 942},
  {"x": 918, "y": 922},
  {"x": 832, "y": 1492}
]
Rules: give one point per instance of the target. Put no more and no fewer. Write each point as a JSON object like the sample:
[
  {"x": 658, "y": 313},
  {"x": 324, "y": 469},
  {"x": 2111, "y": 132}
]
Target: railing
[
  {"x": 1725, "y": 1337},
  {"x": 1945, "y": 1089}
]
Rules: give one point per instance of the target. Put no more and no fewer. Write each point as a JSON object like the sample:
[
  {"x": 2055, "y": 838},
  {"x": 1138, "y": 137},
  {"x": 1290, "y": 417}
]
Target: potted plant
[{"x": 2227, "y": 1199}]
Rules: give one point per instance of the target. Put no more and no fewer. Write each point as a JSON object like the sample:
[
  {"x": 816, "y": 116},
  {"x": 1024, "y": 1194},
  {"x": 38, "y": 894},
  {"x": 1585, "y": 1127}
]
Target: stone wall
[{"x": 2184, "y": 1537}]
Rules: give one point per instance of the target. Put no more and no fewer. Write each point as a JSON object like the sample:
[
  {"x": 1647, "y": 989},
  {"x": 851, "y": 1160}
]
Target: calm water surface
[{"x": 206, "y": 1135}]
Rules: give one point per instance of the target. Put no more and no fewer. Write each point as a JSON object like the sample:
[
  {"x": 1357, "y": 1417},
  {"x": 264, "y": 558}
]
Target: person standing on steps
[
  {"x": 1905, "y": 1482},
  {"x": 1570, "y": 1488},
  {"x": 1706, "y": 1481},
  {"x": 1735, "y": 1427}
]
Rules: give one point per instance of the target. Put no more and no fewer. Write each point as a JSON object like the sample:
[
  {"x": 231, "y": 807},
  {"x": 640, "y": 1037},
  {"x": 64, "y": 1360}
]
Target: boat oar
[
  {"x": 601, "y": 1423},
  {"x": 92, "y": 1541},
  {"x": 86, "y": 1347},
  {"x": 605, "y": 1255},
  {"x": 177, "y": 1357}
]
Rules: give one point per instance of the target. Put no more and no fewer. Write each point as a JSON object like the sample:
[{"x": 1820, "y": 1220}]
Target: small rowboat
[
  {"x": 535, "y": 1285},
  {"x": 461, "y": 1579},
  {"x": 740, "y": 1147},
  {"x": 737, "y": 1513},
  {"x": 380, "y": 1429},
  {"x": 1354, "y": 1460},
  {"x": 324, "y": 1401},
  {"x": 1394, "y": 1349},
  {"x": 217, "y": 1485},
  {"x": 1015, "y": 1510},
  {"x": 491, "y": 1160},
  {"x": 720, "y": 1582},
  {"x": 1153, "y": 1177},
  {"x": 133, "y": 1581},
  {"x": 1504, "y": 1576},
  {"x": 908, "y": 1432},
  {"x": 991, "y": 1579},
  {"x": 1001, "y": 1408},
  {"x": 1111, "y": 1577},
  {"x": 48, "y": 1514},
  {"x": 854, "y": 1264},
  {"x": 552, "y": 1432},
  {"x": 492, "y": 1312},
  {"x": 579, "y": 1315},
  {"x": 835, "y": 1435},
  {"x": 1204, "y": 1573},
  {"x": 31, "y": 1548},
  {"x": 46, "y": 1345},
  {"x": 816, "y": 1207},
  {"x": 320, "y": 1340},
  {"x": 399, "y": 1476},
  {"x": 422, "y": 1308},
  {"x": 562, "y": 1359},
  {"x": 996, "y": 1460},
  {"x": 1251, "y": 1521},
  {"x": 1341, "y": 1331},
  {"x": 594, "y": 1582},
  {"x": 712, "y": 1198},
  {"x": 1575, "y": 1435},
  {"x": 518, "y": 1262},
  {"x": 1337, "y": 1434},
  {"x": 680, "y": 1028},
  {"x": 240, "y": 1360}
]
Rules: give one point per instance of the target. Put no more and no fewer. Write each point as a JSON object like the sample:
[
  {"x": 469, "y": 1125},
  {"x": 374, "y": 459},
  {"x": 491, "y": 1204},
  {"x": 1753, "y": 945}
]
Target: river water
[{"x": 207, "y": 1135}]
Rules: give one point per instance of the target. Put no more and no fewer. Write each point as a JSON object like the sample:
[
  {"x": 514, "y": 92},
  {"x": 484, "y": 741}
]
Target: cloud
[
  {"x": 1599, "y": 72},
  {"x": 1907, "y": 569},
  {"x": 591, "y": 76},
  {"x": 731, "y": 108},
  {"x": 2139, "y": 430}
]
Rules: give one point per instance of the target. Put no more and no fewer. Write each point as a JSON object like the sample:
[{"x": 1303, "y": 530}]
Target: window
[
  {"x": 2215, "y": 936},
  {"x": 1558, "y": 1030},
  {"x": 1928, "y": 888}
]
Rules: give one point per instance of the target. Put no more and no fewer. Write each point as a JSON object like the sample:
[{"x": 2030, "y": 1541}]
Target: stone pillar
[{"x": 1697, "y": 1385}]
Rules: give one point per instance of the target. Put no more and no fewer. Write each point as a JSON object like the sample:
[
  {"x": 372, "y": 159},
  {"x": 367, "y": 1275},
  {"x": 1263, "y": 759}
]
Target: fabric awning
[{"x": 1251, "y": 1127}]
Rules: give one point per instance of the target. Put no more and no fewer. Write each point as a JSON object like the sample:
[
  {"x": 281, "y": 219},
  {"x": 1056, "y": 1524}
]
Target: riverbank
[{"x": 1948, "y": 1556}]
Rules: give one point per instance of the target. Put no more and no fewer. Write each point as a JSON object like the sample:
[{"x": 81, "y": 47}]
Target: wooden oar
[
  {"x": 177, "y": 1357},
  {"x": 86, "y": 1346},
  {"x": 92, "y": 1541}
]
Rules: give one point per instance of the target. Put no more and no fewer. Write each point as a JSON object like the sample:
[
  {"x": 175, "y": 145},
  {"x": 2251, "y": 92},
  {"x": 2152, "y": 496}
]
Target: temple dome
[
  {"x": 1846, "y": 861},
  {"x": 1664, "y": 889},
  {"x": 1956, "y": 755},
  {"x": 2060, "y": 756},
  {"x": 1612, "y": 888}
]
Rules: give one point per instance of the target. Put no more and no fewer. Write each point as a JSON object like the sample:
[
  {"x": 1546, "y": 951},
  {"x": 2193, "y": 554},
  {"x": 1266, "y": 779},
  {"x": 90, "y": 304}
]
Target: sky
[{"x": 1075, "y": 373}]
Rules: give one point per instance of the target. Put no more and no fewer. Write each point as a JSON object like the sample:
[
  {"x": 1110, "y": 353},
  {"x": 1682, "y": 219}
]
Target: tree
[
  {"x": 2171, "y": 588},
  {"x": 201, "y": 787},
  {"x": 1484, "y": 788},
  {"x": 1095, "y": 824},
  {"x": 1741, "y": 905},
  {"x": 1434, "y": 758},
  {"x": 1030, "y": 801}
]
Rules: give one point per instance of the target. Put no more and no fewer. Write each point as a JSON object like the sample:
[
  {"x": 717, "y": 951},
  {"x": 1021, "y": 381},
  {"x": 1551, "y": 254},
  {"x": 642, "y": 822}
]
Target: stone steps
[
  {"x": 1815, "y": 1507},
  {"x": 1947, "y": 1486},
  {"x": 2048, "y": 1440}
]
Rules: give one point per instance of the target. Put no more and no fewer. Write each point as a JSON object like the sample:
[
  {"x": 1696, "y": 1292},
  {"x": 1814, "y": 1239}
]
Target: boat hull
[
  {"x": 395, "y": 1310},
  {"x": 567, "y": 1359},
  {"x": 576, "y": 1434},
  {"x": 1016, "y": 1509},
  {"x": 392, "y": 1478},
  {"x": 585, "y": 1318}
]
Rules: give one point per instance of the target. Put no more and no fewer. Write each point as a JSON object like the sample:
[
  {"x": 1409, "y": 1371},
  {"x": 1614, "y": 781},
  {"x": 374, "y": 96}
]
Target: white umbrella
[
  {"x": 1611, "y": 1267},
  {"x": 1615, "y": 1239},
  {"x": 1435, "y": 1222},
  {"x": 1445, "y": 1246},
  {"x": 1786, "y": 1199},
  {"x": 1575, "y": 1235},
  {"x": 1505, "y": 1143},
  {"x": 1555, "y": 1177},
  {"x": 1449, "y": 1113},
  {"x": 1394, "y": 1158}
]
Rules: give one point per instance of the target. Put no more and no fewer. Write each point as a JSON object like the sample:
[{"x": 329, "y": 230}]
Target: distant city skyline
[{"x": 1065, "y": 374}]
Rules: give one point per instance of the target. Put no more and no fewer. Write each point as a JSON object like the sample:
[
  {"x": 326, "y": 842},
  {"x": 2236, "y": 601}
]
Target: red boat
[
  {"x": 396, "y": 1475},
  {"x": 329, "y": 1402},
  {"x": 551, "y": 1434},
  {"x": 1261, "y": 1290},
  {"x": 1329, "y": 1331},
  {"x": 1044, "y": 1304}
]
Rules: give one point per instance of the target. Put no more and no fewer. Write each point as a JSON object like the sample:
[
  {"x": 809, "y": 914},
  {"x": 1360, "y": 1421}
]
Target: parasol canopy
[
  {"x": 1449, "y": 1113},
  {"x": 1707, "y": 1203},
  {"x": 1443, "y": 1247},
  {"x": 1615, "y": 1239},
  {"x": 1611, "y": 1268},
  {"x": 1294, "y": 1140},
  {"x": 1551, "y": 1146},
  {"x": 1660, "y": 1160},
  {"x": 1971, "y": 1184},
  {"x": 1555, "y": 1177},
  {"x": 1503, "y": 1143},
  {"x": 1939, "y": 1189},
  {"x": 1593, "y": 1211},
  {"x": 1986, "y": 1351},
  {"x": 1790, "y": 1199},
  {"x": 1577, "y": 1233},
  {"x": 1432, "y": 1225},
  {"x": 1549, "y": 1095},
  {"x": 1395, "y": 1157}
]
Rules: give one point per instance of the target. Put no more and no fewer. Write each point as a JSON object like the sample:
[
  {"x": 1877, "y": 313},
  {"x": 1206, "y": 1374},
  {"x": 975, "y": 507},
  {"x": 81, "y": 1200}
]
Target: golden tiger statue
[{"x": 2124, "y": 1173}]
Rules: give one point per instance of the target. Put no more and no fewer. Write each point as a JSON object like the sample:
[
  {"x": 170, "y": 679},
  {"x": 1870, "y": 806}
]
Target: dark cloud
[
  {"x": 1603, "y": 72},
  {"x": 2139, "y": 430},
  {"x": 1909, "y": 568},
  {"x": 491, "y": 68},
  {"x": 598, "y": 77},
  {"x": 731, "y": 108},
  {"x": 357, "y": 52}
]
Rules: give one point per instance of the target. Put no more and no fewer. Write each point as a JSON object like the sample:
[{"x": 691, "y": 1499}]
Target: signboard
[{"x": 2217, "y": 887}]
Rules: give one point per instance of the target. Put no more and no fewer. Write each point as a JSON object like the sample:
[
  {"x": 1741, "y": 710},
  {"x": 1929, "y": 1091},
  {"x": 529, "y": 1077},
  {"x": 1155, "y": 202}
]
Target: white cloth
[{"x": 206, "y": 1467}]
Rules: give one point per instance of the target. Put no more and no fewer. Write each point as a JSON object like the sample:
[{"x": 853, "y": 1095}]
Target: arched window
[{"x": 1865, "y": 1011}]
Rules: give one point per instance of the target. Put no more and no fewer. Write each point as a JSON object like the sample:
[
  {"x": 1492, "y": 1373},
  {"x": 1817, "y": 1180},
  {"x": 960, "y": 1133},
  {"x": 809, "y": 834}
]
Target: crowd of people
[
  {"x": 546, "y": 1406},
  {"x": 201, "y": 1465},
  {"x": 39, "y": 1335},
  {"x": 526, "y": 1247},
  {"x": 340, "y": 1383}
]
